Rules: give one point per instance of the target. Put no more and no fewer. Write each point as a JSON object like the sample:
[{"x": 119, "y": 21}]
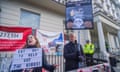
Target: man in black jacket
[{"x": 72, "y": 54}]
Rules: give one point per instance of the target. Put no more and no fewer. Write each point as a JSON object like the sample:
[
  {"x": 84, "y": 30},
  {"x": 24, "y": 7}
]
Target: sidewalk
[{"x": 117, "y": 69}]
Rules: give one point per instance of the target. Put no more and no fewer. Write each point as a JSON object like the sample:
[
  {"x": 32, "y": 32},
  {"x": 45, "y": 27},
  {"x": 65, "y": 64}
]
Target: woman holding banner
[{"x": 32, "y": 42}]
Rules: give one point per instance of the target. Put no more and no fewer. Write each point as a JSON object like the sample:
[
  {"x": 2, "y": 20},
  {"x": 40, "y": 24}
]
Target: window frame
[{"x": 30, "y": 11}]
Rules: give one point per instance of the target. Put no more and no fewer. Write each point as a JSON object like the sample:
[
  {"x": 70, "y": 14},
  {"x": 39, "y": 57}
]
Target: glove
[{"x": 78, "y": 53}]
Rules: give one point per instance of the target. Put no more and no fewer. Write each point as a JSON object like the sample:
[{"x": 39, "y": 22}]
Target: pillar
[{"x": 101, "y": 37}]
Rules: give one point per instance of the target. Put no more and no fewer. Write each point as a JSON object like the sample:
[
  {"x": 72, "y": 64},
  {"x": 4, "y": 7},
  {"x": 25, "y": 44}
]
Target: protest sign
[
  {"x": 12, "y": 38},
  {"x": 27, "y": 58},
  {"x": 51, "y": 42}
]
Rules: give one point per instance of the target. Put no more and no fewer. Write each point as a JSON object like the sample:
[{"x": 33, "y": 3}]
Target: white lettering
[{"x": 11, "y": 35}]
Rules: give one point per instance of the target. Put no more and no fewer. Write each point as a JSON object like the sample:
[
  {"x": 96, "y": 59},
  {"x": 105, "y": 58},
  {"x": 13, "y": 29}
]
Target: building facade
[
  {"x": 49, "y": 15},
  {"x": 106, "y": 19},
  {"x": 106, "y": 24}
]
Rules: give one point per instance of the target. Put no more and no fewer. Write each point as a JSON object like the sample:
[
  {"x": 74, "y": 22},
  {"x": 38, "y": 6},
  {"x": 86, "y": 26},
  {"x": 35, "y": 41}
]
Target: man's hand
[{"x": 81, "y": 58}]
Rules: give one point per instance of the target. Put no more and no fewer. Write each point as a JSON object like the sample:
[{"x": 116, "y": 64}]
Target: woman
[{"x": 32, "y": 42}]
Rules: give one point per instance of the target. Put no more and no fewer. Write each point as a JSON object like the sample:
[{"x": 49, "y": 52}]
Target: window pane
[{"x": 29, "y": 19}]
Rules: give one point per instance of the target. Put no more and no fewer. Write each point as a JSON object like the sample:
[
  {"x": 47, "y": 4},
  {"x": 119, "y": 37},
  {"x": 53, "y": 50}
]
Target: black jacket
[
  {"x": 71, "y": 54},
  {"x": 45, "y": 65}
]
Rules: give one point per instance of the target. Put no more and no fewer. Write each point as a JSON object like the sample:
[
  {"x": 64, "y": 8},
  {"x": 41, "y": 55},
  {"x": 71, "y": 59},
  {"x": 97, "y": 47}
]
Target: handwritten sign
[{"x": 27, "y": 58}]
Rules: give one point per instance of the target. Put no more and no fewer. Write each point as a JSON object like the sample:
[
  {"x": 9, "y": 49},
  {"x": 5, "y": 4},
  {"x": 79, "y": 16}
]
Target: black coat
[
  {"x": 45, "y": 65},
  {"x": 71, "y": 54}
]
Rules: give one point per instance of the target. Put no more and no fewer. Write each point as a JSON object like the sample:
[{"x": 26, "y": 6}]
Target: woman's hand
[
  {"x": 56, "y": 66},
  {"x": 23, "y": 70},
  {"x": 30, "y": 70}
]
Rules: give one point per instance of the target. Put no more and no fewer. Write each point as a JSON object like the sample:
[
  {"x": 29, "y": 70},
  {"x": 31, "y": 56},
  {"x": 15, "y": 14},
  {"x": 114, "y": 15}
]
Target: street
[{"x": 117, "y": 69}]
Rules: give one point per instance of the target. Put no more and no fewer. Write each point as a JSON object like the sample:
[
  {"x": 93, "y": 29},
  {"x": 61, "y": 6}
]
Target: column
[
  {"x": 101, "y": 37},
  {"x": 109, "y": 41},
  {"x": 87, "y": 35},
  {"x": 119, "y": 37}
]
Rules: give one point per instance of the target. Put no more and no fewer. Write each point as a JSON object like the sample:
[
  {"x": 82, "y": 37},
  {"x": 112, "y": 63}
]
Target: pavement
[{"x": 117, "y": 69}]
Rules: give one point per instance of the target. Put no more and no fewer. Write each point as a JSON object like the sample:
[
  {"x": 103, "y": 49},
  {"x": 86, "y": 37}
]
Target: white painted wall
[{"x": 10, "y": 16}]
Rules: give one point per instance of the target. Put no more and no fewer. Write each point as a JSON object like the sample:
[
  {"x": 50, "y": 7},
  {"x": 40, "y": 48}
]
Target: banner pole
[
  {"x": 79, "y": 40},
  {"x": 79, "y": 45},
  {"x": 81, "y": 64}
]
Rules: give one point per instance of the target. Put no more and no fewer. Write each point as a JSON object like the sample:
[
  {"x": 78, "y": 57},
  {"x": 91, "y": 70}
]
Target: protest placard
[
  {"x": 51, "y": 42},
  {"x": 27, "y": 58}
]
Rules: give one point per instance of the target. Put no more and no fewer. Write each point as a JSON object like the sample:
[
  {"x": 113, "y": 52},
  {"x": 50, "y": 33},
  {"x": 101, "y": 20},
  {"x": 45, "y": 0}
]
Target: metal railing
[
  {"x": 5, "y": 61},
  {"x": 6, "y": 58}
]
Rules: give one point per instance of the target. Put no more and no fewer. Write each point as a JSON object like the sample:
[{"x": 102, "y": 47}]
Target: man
[
  {"x": 89, "y": 50},
  {"x": 72, "y": 54}
]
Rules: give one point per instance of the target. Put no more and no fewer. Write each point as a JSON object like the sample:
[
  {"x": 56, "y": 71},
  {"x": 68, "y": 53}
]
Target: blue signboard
[{"x": 79, "y": 15}]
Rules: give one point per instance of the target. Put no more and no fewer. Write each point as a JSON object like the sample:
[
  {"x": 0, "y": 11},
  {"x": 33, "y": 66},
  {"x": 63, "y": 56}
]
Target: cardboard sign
[{"x": 27, "y": 58}]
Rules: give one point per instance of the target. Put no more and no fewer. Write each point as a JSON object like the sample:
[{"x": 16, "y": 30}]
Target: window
[
  {"x": 29, "y": 19},
  {"x": 102, "y": 1}
]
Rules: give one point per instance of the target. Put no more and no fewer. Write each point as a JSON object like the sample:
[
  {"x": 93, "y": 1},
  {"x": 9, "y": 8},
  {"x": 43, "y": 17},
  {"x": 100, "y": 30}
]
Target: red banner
[{"x": 12, "y": 38}]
